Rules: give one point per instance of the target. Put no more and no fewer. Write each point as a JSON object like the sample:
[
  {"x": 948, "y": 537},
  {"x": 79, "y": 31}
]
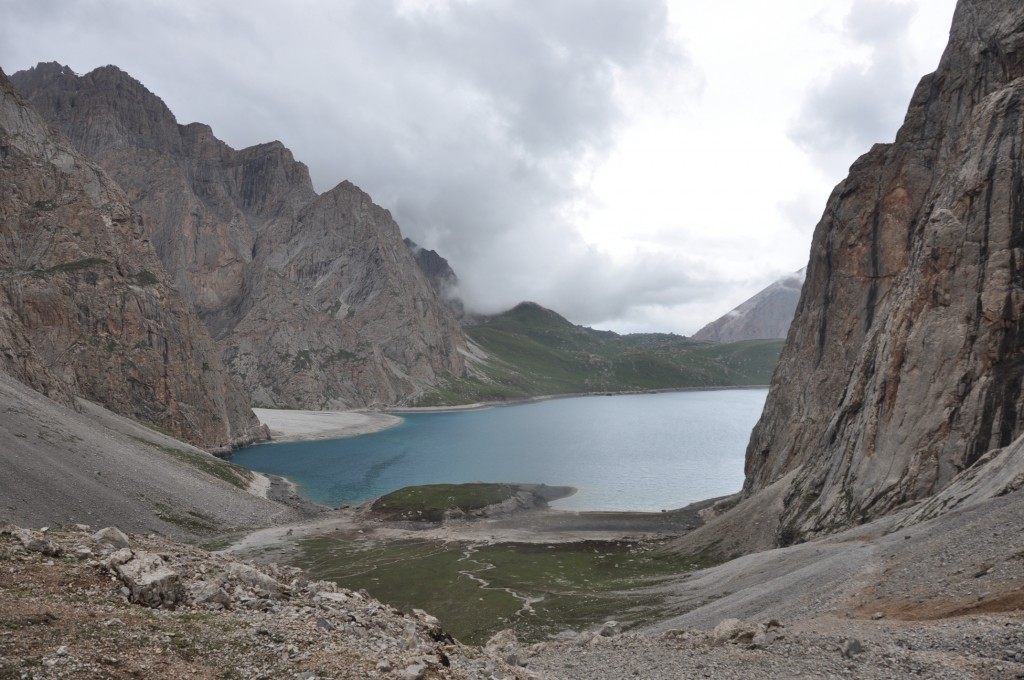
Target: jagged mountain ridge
[
  {"x": 314, "y": 300},
  {"x": 86, "y": 308},
  {"x": 765, "y": 315},
  {"x": 904, "y": 363}
]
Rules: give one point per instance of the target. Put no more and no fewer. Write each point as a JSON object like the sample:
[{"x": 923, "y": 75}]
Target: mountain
[
  {"x": 314, "y": 300},
  {"x": 903, "y": 370},
  {"x": 530, "y": 351},
  {"x": 442, "y": 279},
  {"x": 766, "y": 315},
  {"x": 86, "y": 309}
]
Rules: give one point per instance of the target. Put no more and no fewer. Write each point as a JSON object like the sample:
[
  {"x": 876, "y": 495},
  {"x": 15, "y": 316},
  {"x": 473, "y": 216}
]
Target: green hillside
[{"x": 532, "y": 351}]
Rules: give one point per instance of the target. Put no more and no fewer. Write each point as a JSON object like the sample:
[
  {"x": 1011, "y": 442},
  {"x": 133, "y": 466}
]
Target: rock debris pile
[{"x": 75, "y": 604}]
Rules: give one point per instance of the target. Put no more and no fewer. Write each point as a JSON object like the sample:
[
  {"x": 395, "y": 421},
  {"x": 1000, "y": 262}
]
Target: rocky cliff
[
  {"x": 313, "y": 299},
  {"x": 905, "y": 360},
  {"x": 443, "y": 280},
  {"x": 766, "y": 315},
  {"x": 86, "y": 308}
]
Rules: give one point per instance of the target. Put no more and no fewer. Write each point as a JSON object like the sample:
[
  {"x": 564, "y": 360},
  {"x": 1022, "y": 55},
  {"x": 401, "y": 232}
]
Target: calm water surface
[{"x": 632, "y": 452}]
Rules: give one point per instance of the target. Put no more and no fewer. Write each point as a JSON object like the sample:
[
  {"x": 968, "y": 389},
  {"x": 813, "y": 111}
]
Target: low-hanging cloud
[
  {"x": 468, "y": 120},
  {"x": 482, "y": 124}
]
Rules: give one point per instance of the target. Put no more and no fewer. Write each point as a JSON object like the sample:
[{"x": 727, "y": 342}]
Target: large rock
[
  {"x": 150, "y": 581},
  {"x": 905, "y": 360},
  {"x": 86, "y": 308},
  {"x": 315, "y": 301}
]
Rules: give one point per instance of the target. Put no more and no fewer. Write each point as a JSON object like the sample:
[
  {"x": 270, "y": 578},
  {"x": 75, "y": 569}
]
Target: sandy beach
[{"x": 291, "y": 425}]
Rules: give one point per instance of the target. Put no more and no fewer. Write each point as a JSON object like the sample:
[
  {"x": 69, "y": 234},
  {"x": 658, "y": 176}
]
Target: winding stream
[{"x": 527, "y": 601}]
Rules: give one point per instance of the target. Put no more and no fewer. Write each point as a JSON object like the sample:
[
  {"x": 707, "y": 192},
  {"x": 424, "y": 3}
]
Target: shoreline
[
  {"x": 549, "y": 524},
  {"x": 537, "y": 525},
  {"x": 481, "y": 405},
  {"x": 294, "y": 425}
]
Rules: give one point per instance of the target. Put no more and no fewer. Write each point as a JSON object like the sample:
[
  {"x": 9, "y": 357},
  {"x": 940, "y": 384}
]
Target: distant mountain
[
  {"x": 531, "y": 351},
  {"x": 766, "y": 315},
  {"x": 86, "y": 308},
  {"x": 314, "y": 300}
]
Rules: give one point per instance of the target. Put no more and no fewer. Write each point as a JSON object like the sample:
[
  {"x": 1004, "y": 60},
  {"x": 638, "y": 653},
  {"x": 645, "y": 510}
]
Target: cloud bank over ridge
[{"x": 622, "y": 161}]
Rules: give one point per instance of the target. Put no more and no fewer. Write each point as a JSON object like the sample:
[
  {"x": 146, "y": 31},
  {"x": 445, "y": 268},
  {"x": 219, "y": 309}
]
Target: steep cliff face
[
  {"x": 765, "y": 316},
  {"x": 314, "y": 300},
  {"x": 904, "y": 363},
  {"x": 443, "y": 280},
  {"x": 85, "y": 306}
]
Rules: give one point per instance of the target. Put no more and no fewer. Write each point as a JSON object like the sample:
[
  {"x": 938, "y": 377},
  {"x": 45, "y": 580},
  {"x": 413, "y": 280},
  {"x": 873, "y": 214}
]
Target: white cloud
[{"x": 626, "y": 162}]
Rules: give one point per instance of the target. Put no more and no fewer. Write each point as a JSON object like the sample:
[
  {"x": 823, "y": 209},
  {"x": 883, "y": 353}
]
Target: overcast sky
[{"x": 632, "y": 164}]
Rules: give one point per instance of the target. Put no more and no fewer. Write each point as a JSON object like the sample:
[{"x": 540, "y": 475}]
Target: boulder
[
  {"x": 111, "y": 537},
  {"x": 204, "y": 592},
  {"x": 733, "y": 630},
  {"x": 150, "y": 581},
  {"x": 255, "y": 579}
]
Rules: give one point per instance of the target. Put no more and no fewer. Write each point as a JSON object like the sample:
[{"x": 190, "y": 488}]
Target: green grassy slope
[{"x": 533, "y": 351}]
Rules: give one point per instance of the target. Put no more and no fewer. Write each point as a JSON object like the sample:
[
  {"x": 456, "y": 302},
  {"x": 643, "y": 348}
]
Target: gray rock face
[
  {"x": 905, "y": 361},
  {"x": 314, "y": 300},
  {"x": 765, "y": 316},
  {"x": 443, "y": 280},
  {"x": 86, "y": 308}
]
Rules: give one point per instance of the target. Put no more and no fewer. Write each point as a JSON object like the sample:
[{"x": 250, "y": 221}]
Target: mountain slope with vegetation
[{"x": 531, "y": 351}]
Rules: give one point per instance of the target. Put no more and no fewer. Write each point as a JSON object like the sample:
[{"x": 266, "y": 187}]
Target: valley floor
[{"x": 942, "y": 598}]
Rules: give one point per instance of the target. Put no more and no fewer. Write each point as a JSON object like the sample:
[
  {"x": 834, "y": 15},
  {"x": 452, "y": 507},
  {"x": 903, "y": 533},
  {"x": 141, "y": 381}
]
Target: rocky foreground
[{"x": 78, "y": 604}]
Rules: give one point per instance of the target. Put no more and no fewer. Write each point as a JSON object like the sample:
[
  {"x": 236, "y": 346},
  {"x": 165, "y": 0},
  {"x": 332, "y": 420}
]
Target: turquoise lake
[{"x": 643, "y": 452}]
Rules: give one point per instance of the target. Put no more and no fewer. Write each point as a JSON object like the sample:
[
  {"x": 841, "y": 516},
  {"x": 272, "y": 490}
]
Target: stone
[
  {"x": 204, "y": 592},
  {"x": 733, "y": 630},
  {"x": 851, "y": 647},
  {"x": 111, "y": 537},
  {"x": 414, "y": 671},
  {"x": 764, "y": 639},
  {"x": 610, "y": 629},
  {"x": 425, "y": 618},
  {"x": 45, "y": 546},
  {"x": 501, "y": 642},
  {"x": 252, "y": 577},
  {"x": 150, "y": 581},
  {"x": 117, "y": 558}
]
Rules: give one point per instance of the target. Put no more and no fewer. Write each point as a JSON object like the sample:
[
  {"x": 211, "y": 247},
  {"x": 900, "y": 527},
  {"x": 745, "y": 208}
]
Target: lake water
[{"x": 632, "y": 452}]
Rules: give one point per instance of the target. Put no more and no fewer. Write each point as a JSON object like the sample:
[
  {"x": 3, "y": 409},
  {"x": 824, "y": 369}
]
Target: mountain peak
[{"x": 765, "y": 316}]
